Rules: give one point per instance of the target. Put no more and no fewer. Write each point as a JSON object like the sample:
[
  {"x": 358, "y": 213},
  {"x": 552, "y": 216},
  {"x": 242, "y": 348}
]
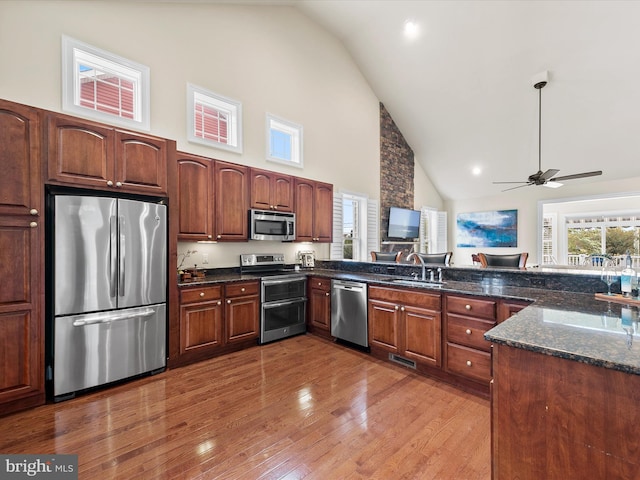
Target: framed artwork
[{"x": 497, "y": 228}]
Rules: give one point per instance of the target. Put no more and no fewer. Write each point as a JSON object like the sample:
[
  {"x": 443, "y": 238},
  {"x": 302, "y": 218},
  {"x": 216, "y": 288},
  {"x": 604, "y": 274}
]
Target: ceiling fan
[{"x": 540, "y": 177}]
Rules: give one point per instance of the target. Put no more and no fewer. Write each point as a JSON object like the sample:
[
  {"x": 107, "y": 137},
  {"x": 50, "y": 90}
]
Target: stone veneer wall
[{"x": 396, "y": 170}]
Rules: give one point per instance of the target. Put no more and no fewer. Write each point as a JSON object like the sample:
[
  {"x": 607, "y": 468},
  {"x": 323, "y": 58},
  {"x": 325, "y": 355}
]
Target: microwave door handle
[
  {"x": 113, "y": 255},
  {"x": 121, "y": 236}
]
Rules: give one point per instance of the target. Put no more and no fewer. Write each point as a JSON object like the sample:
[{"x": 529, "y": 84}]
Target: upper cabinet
[
  {"x": 271, "y": 190},
  {"x": 231, "y": 201},
  {"x": 88, "y": 154},
  {"x": 195, "y": 197},
  {"x": 314, "y": 211}
]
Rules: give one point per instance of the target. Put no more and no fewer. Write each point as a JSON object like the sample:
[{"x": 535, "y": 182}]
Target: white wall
[
  {"x": 525, "y": 200},
  {"x": 272, "y": 59}
]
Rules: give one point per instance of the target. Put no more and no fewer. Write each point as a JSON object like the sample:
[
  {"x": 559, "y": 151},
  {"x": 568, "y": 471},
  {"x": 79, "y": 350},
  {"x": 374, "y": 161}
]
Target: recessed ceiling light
[
  {"x": 476, "y": 171},
  {"x": 411, "y": 29}
]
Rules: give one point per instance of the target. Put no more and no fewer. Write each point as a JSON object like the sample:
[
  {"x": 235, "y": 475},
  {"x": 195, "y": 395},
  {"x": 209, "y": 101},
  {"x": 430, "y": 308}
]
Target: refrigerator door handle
[
  {"x": 112, "y": 318},
  {"x": 122, "y": 253},
  {"x": 113, "y": 255}
]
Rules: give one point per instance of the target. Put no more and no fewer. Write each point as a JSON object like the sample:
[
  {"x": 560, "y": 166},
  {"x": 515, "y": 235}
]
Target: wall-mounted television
[{"x": 404, "y": 224}]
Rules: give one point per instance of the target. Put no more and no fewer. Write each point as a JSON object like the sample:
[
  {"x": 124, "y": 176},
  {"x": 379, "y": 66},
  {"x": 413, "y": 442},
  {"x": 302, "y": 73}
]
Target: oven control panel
[{"x": 257, "y": 259}]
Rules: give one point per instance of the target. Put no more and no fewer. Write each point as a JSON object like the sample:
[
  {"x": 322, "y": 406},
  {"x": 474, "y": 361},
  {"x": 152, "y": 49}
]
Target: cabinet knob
[
  {"x": 33, "y": 224},
  {"x": 202, "y": 294},
  {"x": 219, "y": 302},
  {"x": 468, "y": 307},
  {"x": 275, "y": 207},
  {"x": 109, "y": 183},
  {"x": 33, "y": 211},
  {"x": 242, "y": 289},
  {"x": 327, "y": 294},
  {"x": 468, "y": 363},
  {"x": 228, "y": 302},
  {"x": 396, "y": 307},
  {"x": 468, "y": 331},
  {"x": 209, "y": 236},
  {"x": 319, "y": 284},
  {"x": 118, "y": 184},
  {"x": 402, "y": 309},
  {"x": 218, "y": 236}
]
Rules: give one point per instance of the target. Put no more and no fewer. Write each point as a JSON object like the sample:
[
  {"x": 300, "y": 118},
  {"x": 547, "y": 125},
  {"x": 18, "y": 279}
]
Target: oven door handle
[
  {"x": 280, "y": 282},
  {"x": 282, "y": 304}
]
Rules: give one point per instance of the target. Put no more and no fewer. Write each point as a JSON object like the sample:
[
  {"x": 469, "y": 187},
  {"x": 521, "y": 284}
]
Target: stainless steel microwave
[{"x": 267, "y": 225}]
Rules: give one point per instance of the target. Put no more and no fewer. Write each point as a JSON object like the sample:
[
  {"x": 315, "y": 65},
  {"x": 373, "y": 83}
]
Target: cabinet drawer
[
  {"x": 468, "y": 331},
  {"x": 413, "y": 296},
  {"x": 320, "y": 283},
  {"x": 473, "y": 307},
  {"x": 469, "y": 362},
  {"x": 241, "y": 289},
  {"x": 203, "y": 294}
]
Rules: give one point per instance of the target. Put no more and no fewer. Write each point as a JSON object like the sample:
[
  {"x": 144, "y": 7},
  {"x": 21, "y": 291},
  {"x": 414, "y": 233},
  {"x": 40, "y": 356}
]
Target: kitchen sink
[{"x": 418, "y": 283}]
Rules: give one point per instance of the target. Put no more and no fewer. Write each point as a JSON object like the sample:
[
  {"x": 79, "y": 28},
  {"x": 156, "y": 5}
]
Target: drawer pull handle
[
  {"x": 202, "y": 294},
  {"x": 468, "y": 363},
  {"x": 468, "y": 331},
  {"x": 467, "y": 306}
]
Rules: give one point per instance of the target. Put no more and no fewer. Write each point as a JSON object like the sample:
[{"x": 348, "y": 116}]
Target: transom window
[
  {"x": 104, "y": 86},
  {"x": 284, "y": 141},
  {"x": 213, "y": 119}
]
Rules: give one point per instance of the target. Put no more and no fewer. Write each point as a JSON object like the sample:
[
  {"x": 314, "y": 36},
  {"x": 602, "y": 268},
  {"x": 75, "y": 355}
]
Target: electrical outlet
[{"x": 205, "y": 258}]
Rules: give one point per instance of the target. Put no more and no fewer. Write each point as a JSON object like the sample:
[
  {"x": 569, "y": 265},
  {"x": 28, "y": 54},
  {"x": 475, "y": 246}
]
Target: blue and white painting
[{"x": 498, "y": 228}]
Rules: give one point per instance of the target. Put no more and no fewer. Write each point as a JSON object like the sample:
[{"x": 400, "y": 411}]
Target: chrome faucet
[{"x": 424, "y": 272}]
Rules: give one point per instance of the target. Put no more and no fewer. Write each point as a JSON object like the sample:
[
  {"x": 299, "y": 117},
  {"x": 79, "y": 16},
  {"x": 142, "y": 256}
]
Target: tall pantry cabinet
[{"x": 21, "y": 244}]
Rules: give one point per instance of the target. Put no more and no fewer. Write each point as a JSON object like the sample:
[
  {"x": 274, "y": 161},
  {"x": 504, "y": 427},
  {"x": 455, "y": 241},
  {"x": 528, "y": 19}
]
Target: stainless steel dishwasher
[{"x": 349, "y": 312}]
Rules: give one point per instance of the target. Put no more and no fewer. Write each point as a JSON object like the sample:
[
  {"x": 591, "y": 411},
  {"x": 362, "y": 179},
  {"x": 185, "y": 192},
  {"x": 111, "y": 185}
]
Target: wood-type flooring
[{"x": 299, "y": 408}]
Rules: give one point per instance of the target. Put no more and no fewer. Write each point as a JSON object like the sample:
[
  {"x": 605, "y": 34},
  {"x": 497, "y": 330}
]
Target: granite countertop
[{"x": 570, "y": 325}]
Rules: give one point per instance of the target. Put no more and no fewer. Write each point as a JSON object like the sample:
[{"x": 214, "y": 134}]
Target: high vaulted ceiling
[{"x": 462, "y": 91}]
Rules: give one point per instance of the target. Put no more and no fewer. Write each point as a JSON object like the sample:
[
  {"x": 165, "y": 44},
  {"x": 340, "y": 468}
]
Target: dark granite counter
[{"x": 559, "y": 322}]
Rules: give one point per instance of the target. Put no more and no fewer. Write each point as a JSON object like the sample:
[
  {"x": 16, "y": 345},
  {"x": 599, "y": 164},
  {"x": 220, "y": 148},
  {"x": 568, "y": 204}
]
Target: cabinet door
[
  {"x": 320, "y": 308},
  {"x": 422, "y": 335},
  {"x": 323, "y": 213},
  {"x": 195, "y": 198},
  {"x": 80, "y": 153},
  {"x": 141, "y": 163},
  {"x": 232, "y": 201},
  {"x": 21, "y": 326},
  {"x": 20, "y": 159},
  {"x": 282, "y": 193},
  {"x": 384, "y": 325},
  {"x": 242, "y": 316},
  {"x": 261, "y": 181},
  {"x": 304, "y": 210},
  {"x": 507, "y": 309},
  {"x": 201, "y": 326}
]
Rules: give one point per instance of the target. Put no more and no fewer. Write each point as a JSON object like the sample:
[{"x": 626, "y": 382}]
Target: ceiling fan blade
[
  {"x": 519, "y": 186},
  {"x": 548, "y": 174},
  {"x": 509, "y": 182},
  {"x": 577, "y": 175}
]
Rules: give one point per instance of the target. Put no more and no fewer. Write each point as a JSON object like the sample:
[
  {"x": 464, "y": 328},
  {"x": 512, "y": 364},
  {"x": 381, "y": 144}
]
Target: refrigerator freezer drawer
[{"x": 100, "y": 348}]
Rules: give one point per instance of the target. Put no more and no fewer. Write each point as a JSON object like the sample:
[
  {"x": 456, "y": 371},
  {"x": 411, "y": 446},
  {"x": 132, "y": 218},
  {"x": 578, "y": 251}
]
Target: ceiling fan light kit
[{"x": 548, "y": 177}]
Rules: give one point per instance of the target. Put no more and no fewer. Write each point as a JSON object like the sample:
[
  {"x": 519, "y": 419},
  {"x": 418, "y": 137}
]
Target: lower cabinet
[
  {"x": 319, "y": 306},
  {"x": 218, "y": 319},
  {"x": 406, "y": 323}
]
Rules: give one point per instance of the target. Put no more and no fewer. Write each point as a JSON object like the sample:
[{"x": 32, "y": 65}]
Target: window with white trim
[
  {"x": 213, "y": 120},
  {"x": 284, "y": 141},
  {"x": 433, "y": 231},
  {"x": 103, "y": 86},
  {"x": 355, "y": 227}
]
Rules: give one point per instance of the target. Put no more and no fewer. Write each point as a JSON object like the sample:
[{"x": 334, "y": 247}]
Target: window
[
  {"x": 355, "y": 227},
  {"x": 433, "y": 231},
  {"x": 213, "y": 120},
  {"x": 284, "y": 141},
  {"x": 103, "y": 86}
]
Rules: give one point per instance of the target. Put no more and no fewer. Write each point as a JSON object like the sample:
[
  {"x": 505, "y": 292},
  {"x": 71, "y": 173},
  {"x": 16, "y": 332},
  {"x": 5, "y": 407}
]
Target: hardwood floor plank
[{"x": 301, "y": 408}]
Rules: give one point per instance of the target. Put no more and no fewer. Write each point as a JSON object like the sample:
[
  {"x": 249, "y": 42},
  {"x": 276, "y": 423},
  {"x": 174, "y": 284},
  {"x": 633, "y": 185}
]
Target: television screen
[{"x": 404, "y": 223}]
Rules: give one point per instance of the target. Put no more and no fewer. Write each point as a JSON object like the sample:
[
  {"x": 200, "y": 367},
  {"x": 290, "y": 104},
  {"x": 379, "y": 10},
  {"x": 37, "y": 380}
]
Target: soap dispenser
[{"x": 628, "y": 277}]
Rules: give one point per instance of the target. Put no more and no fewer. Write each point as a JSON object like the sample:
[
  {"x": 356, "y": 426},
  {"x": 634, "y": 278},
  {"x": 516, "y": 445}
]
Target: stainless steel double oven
[{"x": 282, "y": 295}]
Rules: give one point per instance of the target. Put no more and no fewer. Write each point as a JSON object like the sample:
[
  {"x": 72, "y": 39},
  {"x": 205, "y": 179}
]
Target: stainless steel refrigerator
[{"x": 109, "y": 291}]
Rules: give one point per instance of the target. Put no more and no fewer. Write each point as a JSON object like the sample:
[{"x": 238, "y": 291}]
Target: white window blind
[
  {"x": 366, "y": 232},
  {"x": 433, "y": 231}
]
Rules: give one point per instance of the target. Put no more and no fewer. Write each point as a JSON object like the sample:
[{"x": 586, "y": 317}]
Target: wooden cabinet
[
  {"x": 507, "y": 308},
  {"x": 201, "y": 317},
  {"x": 271, "y": 190},
  {"x": 314, "y": 211},
  {"x": 242, "y": 311},
  {"x": 195, "y": 197},
  {"x": 92, "y": 155},
  {"x": 467, "y": 319},
  {"x": 21, "y": 256},
  {"x": 217, "y": 319},
  {"x": 407, "y": 323},
  {"x": 231, "y": 201},
  {"x": 319, "y": 307}
]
